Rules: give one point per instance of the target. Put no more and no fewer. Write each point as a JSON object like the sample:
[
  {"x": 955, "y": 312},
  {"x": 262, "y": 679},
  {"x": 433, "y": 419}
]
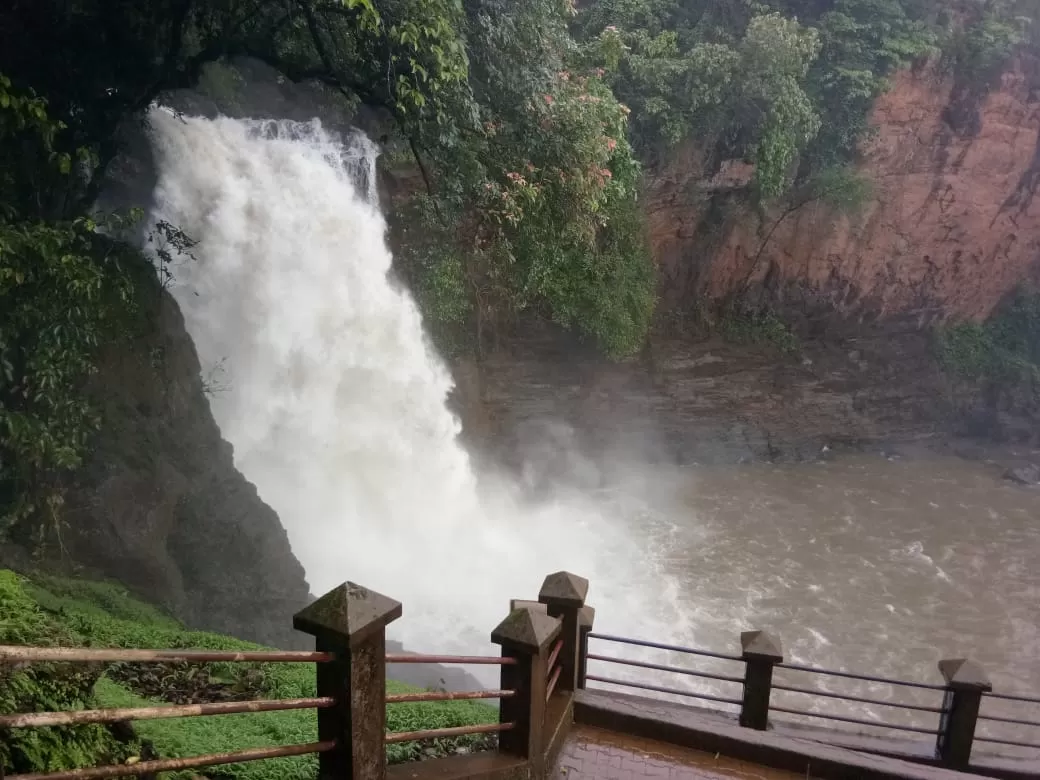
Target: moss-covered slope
[{"x": 41, "y": 610}]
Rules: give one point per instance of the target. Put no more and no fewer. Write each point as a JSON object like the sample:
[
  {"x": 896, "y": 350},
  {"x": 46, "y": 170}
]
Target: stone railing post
[
  {"x": 526, "y": 636},
  {"x": 586, "y": 618},
  {"x": 761, "y": 651},
  {"x": 350, "y": 622},
  {"x": 564, "y": 595},
  {"x": 966, "y": 681}
]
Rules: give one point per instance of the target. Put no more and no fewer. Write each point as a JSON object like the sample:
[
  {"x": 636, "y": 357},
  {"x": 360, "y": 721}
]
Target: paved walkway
[{"x": 592, "y": 754}]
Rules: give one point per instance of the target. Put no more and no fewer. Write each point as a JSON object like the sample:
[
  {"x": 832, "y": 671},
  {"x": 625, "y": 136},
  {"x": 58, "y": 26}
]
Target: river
[{"x": 867, "y": 564}]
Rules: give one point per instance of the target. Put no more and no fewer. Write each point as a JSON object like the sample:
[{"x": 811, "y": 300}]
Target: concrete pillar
[{"x": 350, "y": 622}]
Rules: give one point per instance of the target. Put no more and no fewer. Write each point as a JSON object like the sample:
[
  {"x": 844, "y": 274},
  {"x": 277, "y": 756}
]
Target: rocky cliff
[
  {"x": 545, "y": 401},
  {"x": 952, "y": 225},
  {"x": 160, "y": 505}
]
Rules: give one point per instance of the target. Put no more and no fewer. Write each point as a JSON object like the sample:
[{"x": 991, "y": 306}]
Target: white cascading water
[{"x": 336, "y": 405}]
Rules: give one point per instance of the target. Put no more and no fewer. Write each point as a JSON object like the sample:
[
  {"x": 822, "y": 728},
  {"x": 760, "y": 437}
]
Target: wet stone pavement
[{"x": 592, "y": 754}]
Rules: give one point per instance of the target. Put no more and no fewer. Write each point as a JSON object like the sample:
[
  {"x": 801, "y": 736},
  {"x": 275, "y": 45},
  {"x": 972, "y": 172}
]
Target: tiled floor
[{"x": 591, "y": 754}]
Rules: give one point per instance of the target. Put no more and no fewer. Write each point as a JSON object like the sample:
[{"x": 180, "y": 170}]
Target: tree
[
  {"x": 63, "y": 289},
  {"x": 539, "y": 202},
  {"x": 710, "y": 78}
]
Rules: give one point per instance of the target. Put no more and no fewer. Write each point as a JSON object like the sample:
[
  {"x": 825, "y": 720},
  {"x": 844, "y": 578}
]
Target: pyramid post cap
[
  {"x": 964, "y": 674},
  {"x": 527, "y": 629},
  {"x": 525, "y": 604},
  {"x": 564, "y": 589},
  {"x": 349, "y": 612},
  {"x": 761, "y": 645},
  {"x": 586, "y": 616}
]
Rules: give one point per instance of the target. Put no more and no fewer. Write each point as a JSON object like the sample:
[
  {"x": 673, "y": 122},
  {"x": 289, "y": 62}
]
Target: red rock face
[{"x": 953, "y": 224}]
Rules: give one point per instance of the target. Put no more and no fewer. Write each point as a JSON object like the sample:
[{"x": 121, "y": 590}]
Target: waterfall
[{"x": 335, "y": 403}]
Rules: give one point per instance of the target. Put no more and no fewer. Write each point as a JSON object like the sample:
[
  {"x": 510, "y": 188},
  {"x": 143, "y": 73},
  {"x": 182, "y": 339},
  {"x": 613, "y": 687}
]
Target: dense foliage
[
  {"x": 1005, "y": 349},
  {"x": 44, "y": 688},
  {"x": 533, "y": 208},
  {"x": 757, "y": 78},
  {"x": 63, "y": 290},
  {"x": 47, "y": 610},
  {"x": 727, "y": 71},
  {"x": 537, "y": 210}
]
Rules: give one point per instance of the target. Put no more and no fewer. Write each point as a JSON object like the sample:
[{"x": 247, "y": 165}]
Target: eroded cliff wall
[{"x": 951, "y": 227}]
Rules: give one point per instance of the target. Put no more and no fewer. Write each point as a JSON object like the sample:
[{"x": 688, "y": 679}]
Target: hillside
[{"x": 42, "y": 610}]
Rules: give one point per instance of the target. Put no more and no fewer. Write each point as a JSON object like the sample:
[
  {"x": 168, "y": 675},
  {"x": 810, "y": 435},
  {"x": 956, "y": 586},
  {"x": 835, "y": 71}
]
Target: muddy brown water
[{"x": 864, "y": 564}]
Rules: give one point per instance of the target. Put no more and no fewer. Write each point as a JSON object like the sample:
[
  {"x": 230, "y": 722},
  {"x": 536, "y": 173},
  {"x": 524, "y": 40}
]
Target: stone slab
[
  {"x": 690, "y": 728},
  {"x": 594, "y": 754}
]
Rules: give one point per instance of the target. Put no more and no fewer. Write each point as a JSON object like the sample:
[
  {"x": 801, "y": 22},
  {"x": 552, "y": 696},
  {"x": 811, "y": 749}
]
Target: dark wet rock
[
  {"x": 1028, "y": 474},
  {"x": 160, "y": 506}
]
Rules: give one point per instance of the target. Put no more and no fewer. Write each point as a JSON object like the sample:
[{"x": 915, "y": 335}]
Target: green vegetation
[
  {"x": 530, "y": 123},
  {"x": 978, "y": 50},
  {"x": 763, "y": 328},
  {"x": 1004, "y": 349},
  {"x": 757, "y": 77},
  {"x": 64, "y": 289},
  {"x": 535, "y": 211},
  {"x": 44, "y": 687},
  {"x": 49, "y": 611}
]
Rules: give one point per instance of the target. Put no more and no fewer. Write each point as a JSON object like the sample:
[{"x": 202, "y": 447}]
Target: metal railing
[
  {"x": 950, "y": 722},
  {"x": 393, "y": 737},
  {"x": 892, "y": 682},
  {"x": 553, "y": 669},
  {"x": 544, "y": 657},
  {"x": 663, "y": 668},
  {"x": 1032, "y": 724},
  {"x": 538, "y": 664},
  {"x": 17, "y": 655}
]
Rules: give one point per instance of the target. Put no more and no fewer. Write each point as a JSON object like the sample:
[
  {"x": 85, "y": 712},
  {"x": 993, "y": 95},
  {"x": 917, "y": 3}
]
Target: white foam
[{"x": 336, "y": 406}]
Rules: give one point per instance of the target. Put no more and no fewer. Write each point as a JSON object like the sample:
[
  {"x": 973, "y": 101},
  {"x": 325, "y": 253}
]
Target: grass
[{"x": 48, "y": 610}]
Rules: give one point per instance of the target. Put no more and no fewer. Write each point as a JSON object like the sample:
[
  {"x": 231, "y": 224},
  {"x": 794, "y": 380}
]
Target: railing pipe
[
  {"x": 554, "y": 680},
  {"x": 554, "y": 655},
  {"x": 176, "y": 764},
  {"x": 671, "y": 648},
  {"x": 454, "y": 731},
  {"x": 81, "y": 717},
  {"x": 861, "y": 699},
  {"x": 465, "y": 660},
  {"x": 398, "y": 698},
  {"x": 663, "y": 689},
  {"x": 586, "y": 617},
  {"x": 15, "y": 654},
  {"x": 664, "y": 668},
  {"x": 864, "y": 677}
]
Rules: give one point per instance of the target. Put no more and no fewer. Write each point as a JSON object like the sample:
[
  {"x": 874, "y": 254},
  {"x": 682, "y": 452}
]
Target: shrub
[
  {"x": 1004, "y": 348},
  {"x": 758, "y": 327}
]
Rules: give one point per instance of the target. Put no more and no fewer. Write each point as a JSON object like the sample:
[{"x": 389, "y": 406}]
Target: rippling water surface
[{"x": 862, "y": 564}]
